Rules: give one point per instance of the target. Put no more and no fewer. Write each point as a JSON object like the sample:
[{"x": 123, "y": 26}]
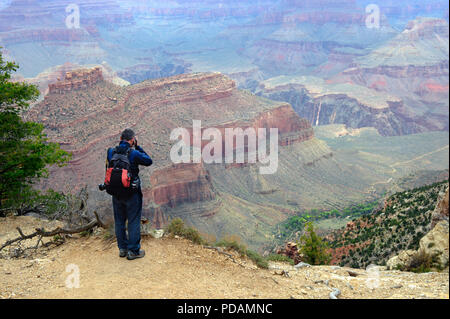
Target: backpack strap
[{"x": 116, "y": 151}]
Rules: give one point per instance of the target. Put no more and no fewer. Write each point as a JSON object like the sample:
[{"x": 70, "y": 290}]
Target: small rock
[
  {"x": 301, "y": 265},
  {"x": 397, "y": 286},
  {"x": 158, "y": 233},
  {"x": 335, "y": 267},
  {"x": 352, "y": 273},
  {"x": 335, "y": 293},
  {"x": 326, "y": 282}
]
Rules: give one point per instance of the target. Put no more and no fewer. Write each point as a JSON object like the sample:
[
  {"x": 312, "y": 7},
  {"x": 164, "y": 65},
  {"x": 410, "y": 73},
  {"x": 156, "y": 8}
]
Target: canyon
[
  {"x": 399, "y": 88},
  {"x": 218, "y": 199},
  {"x": 320, "y": 57},
  {"x": 91, "y": 117}
]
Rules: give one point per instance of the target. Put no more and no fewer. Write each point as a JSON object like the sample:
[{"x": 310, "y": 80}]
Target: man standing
[{"x": 127, "y": 203}]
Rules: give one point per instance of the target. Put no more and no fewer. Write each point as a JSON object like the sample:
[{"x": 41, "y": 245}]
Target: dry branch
[{"x": 42, "y": 233}]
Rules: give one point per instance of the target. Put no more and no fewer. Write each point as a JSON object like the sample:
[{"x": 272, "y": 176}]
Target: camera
[
  {"x": 136, "y": 183},
  {"x": 102, "y": 187}
]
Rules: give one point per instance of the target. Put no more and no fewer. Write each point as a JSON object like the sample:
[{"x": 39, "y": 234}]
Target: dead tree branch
[{"x": 57, "y": 231}]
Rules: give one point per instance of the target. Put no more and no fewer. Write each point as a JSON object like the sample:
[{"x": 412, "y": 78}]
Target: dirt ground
[{"x": 176, "y": 268}]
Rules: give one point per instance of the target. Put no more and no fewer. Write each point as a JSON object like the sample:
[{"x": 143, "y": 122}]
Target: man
[{"x": 128, "y": 204}]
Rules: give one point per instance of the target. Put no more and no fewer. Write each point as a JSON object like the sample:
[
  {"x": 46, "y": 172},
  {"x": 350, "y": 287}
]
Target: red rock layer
[
  {"x": 291, "y": 127},
  {"x": 180, "y": 183}
]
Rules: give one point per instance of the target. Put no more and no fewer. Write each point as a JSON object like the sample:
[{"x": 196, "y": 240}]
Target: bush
[
  {"x": 280, "y": 258},
  {"x": 177, "y": 227},
  {"x": 243, "y": 251},
  {"x": 232, "y": 244},
  {"x": 419, "y": 263},
  {"x": 257, "y": 259}
]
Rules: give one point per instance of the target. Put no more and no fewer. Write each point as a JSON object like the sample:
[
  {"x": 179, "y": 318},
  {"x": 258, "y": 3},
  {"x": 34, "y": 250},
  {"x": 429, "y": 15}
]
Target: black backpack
[{"x": 118, "y": 175}]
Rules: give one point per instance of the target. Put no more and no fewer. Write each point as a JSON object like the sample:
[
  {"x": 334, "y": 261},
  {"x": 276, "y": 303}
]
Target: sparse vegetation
[
  {"x": 280, "y": 258},
  {"x": 177, "y": 227},
  {"x": 420, "y": 262},
  {"x": 233, "y": 244},
  {"x": 399, "y": 225},
  {"x": 296, "y": 224}
]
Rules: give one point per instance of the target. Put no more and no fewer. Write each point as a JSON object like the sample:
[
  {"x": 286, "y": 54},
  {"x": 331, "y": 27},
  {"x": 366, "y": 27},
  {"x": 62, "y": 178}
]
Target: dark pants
[{"x": 128, "y": 209}]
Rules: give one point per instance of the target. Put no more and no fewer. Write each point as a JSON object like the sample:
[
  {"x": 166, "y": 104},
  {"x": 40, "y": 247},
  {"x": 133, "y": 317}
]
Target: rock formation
[
  {"x": 413, "y": 66},
  {"x": 324, "y": 102},
  {"x": 436, "y": 244},
  {"x": 393, "y": 233},
  {"x": 291, "y": 250},
  {"x": 440, "y": 213},
  {"x": 75, "y": 80}
]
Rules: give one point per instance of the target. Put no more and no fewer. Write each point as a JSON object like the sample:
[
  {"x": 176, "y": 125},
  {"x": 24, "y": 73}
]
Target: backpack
[{"x": 118, "y": 175}]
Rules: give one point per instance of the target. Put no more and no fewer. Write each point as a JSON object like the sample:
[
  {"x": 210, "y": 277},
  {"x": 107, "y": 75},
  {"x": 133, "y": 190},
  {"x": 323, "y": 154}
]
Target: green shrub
[
  {"x": 26, "y": 153},
  {"x": 193, "y": 235},
  {"x": 243, "y": 251},
  {"x": 177, "y": 227},
  {"x": 232, "y": 244},
  {"x": 257, "y": 259},
  {"x": 280, "y": 258},
  {"x": 86, "y": 233}
]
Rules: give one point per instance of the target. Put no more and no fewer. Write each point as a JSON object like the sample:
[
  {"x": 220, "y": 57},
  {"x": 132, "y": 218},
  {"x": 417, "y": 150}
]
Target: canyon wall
[
  {"x": 332, "y": 108},
  {"x": 180, "y": 183}
]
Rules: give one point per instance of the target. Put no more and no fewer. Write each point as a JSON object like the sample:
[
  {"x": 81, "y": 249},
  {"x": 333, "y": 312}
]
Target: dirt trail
[
  {"x": 419, "y": 157},
  {"x": 176, "y": 268}
]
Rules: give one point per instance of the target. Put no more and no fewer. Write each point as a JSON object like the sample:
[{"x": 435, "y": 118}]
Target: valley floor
[{"x": 176, "y": 268}]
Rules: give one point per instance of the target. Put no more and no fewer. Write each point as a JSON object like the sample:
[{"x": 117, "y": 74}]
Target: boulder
[
  {"x": 436, "y": 243},
  {"x": 403, "y": 259}
]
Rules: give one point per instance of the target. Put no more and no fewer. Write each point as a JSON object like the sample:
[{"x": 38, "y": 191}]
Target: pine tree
[
  {"x": 25, "y": 151},
  {"x": 313, "y": 247}
]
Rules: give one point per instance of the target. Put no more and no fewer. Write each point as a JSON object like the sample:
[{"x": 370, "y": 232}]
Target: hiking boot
[
  {"x": 123, "y": 252},
  {"x": 132, "y": 255}
]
